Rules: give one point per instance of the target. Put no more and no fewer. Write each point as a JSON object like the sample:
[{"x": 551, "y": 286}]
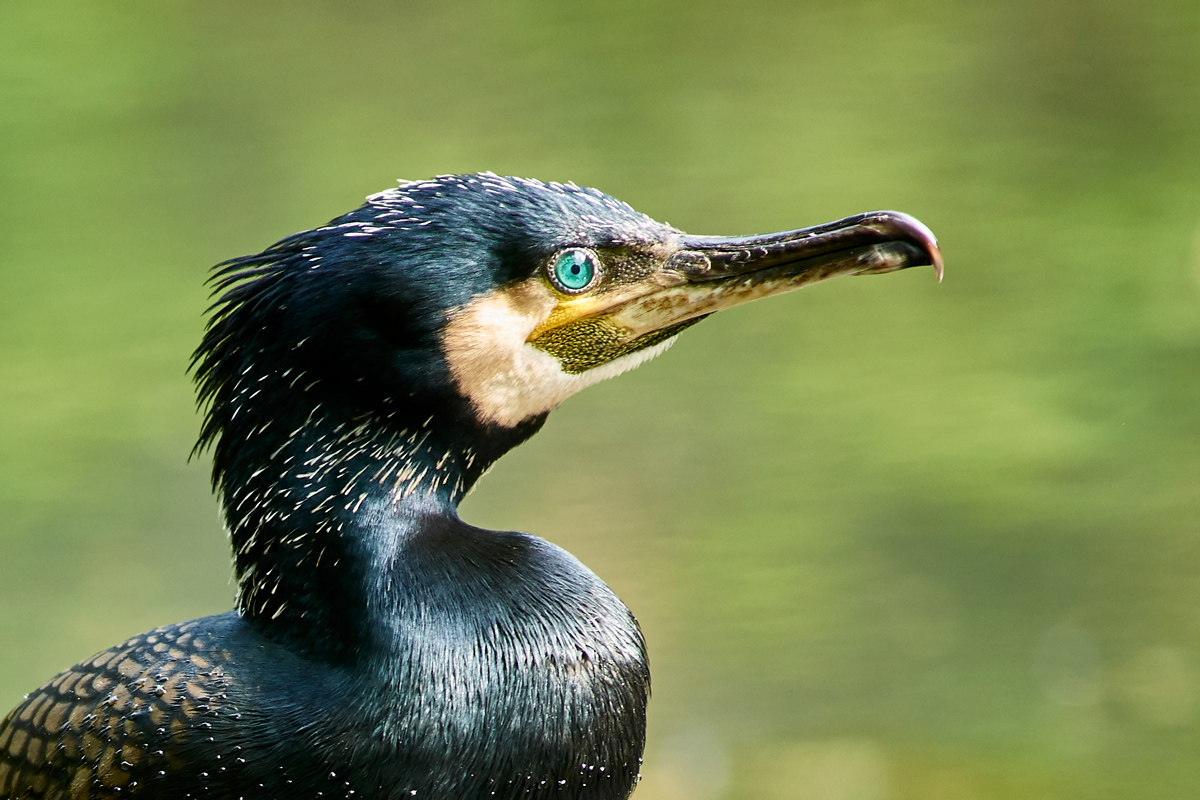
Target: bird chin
[
  {"x": 506, "y": 379},
  {"x": 533, "y": 382}
]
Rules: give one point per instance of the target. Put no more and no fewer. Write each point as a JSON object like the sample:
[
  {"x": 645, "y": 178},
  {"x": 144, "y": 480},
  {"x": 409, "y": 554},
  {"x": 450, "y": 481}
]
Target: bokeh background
[{"x": 888, "y": 539}]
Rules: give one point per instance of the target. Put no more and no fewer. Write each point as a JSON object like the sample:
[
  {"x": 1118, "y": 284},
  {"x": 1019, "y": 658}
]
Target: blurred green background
[{"x": 888, "y": 539}]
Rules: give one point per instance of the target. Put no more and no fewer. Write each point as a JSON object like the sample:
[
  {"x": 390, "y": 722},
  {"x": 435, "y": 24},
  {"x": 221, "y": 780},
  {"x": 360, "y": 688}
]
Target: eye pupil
[{"x": 574, "y": 271}]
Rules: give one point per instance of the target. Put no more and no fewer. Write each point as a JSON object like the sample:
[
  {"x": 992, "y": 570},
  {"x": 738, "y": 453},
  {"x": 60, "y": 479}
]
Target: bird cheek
[{"x": 485, "y": 347}]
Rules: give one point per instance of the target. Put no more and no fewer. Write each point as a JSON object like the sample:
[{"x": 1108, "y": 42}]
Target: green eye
[{"x": 574, "y": 270}]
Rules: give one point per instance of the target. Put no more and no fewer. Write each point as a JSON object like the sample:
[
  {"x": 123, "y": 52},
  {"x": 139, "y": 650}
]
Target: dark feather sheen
[{"x": 382, "y": 647}]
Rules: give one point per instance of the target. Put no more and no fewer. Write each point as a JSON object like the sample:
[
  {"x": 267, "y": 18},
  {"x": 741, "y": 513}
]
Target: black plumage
[{"x": 358, "y": 379}]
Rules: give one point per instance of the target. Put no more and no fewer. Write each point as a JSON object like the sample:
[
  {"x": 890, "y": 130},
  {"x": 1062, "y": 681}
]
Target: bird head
[{"x": 483, "y": 302}]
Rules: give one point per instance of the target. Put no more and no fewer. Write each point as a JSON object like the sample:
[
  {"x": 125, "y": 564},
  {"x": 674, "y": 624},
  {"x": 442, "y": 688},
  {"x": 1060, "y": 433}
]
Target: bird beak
[{"x": 710, "y": 273}]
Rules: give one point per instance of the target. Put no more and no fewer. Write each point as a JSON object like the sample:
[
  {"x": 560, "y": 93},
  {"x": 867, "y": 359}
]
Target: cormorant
[{"x": 358, "y": 378}]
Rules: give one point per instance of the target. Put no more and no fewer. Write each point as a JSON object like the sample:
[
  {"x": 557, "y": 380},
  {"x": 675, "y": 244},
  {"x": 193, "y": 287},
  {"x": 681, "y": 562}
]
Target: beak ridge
[{"x": 902, "y": 240}]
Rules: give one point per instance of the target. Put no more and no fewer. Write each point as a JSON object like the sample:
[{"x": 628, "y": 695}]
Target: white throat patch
[{"x": 507, "y": 379}]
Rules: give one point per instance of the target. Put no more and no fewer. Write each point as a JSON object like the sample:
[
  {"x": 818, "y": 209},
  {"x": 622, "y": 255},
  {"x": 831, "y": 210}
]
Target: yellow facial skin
[{"x": 583, "y": 331}]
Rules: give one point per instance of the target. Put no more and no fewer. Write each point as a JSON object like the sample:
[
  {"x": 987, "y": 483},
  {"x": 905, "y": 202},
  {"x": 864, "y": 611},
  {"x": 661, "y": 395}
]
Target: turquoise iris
[{"x": 574, "y": 270}]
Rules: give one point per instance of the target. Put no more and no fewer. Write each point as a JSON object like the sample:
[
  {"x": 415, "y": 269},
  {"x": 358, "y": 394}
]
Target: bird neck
[{"x": 317, "y": 505}]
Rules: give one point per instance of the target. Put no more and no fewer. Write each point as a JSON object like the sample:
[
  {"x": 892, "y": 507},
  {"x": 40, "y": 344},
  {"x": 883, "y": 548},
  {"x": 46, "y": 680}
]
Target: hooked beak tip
[{"x": 919, "y": 231}]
